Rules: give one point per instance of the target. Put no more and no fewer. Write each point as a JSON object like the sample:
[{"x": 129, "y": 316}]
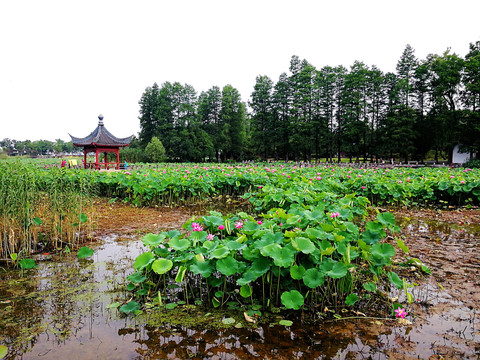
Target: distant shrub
[{"x": 474, "y": 163}]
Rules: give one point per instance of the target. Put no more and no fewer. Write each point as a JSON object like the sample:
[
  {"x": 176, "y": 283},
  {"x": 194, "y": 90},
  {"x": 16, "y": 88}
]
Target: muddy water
[{"x": 59, "y": 310}]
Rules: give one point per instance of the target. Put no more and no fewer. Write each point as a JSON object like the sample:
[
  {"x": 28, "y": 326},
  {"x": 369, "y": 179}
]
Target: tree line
[
  {"x": 35, "y": 148},
  {"x": 427, "y": 105}
]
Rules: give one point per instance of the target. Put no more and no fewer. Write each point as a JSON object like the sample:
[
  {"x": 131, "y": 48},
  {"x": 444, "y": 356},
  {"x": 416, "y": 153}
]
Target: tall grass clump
[{"x": 40, "y": 208}]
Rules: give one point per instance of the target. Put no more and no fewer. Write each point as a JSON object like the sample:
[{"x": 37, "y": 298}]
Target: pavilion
[{"x": 98, "y": 142}]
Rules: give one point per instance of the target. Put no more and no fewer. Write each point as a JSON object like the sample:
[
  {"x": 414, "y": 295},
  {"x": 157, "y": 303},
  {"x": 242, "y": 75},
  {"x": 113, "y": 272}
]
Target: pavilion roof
[{"x": 101, "y": 137}]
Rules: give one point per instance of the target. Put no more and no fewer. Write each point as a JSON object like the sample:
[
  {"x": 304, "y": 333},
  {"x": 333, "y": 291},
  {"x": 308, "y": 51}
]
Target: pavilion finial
[{"x": 100, "y": 120}]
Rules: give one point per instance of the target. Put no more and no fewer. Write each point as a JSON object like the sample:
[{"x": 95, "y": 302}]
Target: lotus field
[{"x": 311, "y": 239}]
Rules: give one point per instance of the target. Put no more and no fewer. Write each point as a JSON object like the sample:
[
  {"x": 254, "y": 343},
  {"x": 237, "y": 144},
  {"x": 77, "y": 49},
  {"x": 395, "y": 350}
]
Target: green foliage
[
  {"x": 154, "y": 151},
  {"x": 84, "y": 252},
  {"x": 295, "y": 254},
  {"x": 130, "y": 307},
  {"x": 26, "y": 264},
  {"x": 3, "y": 351}
]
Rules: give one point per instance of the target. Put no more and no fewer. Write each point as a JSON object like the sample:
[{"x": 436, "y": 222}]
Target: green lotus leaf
[
  {"x": 173, "y": 233},
  {"x": 370, "y": 286},
  {"x": 213, "y": 221},
  {"x": 235, "y": 245},
  {"x": 204, "y": 268},
  {"x": 84, "y": 252},
  {"x": 371, "y": 237},
  {"x": 261, "y": 265},
  {"x": 227, "y": 266},
  {"x": 179, "y": 244},
  {"x": 136, "y": 278},
  {"x": 315, "y": 234},
  {"x": 395, "y": 279},
  {"x": 220, "y": 253},
  {"x": 143, "y": 260},
  {"x": 246, "y": 291},
  {"x": 313, "y": 278},
  {"x": 272, "y": 250},
  {"x": 153, "y": 240},
  {"x": 338, "y": 270},
  {"x": 386, "y": 218},
  {"x": 351, "y": 299},
  {"x": 161, "y": 266},
  {"x": 111, "y": 306},
  {"x": 384, "y": 251},
  {"x": 304, "y": 245},
  {"x": 250, "y": 227},
  {"x": 130, "y": 307},
  {"x": 83, "y": 218},
  {"x": 297, "y": 271},
  {"x": 292, "y": 299},
  {"x": 26, "y": 264}
]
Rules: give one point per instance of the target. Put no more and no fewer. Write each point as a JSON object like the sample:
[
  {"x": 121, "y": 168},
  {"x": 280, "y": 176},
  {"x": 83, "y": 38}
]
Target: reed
[{"x": 40, "y": 209}]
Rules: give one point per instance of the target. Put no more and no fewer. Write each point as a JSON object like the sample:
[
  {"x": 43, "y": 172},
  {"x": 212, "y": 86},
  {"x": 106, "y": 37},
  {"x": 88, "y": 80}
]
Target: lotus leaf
[
  {"x": 153, "y": 240},
  {"x": 292, "y": 299},
  {"x": 84, "y": 252},
  {"x": 338, "y": 270},
  {"x": 136, "y": 278},
  {"x": 246, "y": 291},
  {"x": 26, "y": 264},
  {"x": 386, "y": 218},
  {"x": 130, "y": 307},
  {"x": 204, "y": 268},
  {"x": 351, "y": 299},
  {"x": 220, "y": 252},
  {"x": 313, "y": 278},
  {"x": 161, "y": 266},
  {"x": 179, "y": 244},
  {"x": 143, "y": 260},
  {"x": 303, "y": 244},
  {"x": 297, "y": 271},
  {"x": 227, "y": 266}
]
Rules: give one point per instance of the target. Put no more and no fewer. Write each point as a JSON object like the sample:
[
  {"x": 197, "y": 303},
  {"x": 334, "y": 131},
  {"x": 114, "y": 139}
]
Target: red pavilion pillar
[
  {"x": 84, "y": 158},
  {"x": 118, "y": 159}
]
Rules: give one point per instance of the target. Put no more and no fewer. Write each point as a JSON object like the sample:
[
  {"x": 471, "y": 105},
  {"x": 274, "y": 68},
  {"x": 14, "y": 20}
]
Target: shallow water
[{"x": 59, "y": 311}]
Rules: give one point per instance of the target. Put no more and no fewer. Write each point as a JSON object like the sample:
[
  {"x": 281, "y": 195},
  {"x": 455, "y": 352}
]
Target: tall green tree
[
  {"x": 263, "y": 127},
  {"x": 155, "y": 151},
  {"x": 209, "y": 107},
  {"x": 406, "y": 67},
  {"x": 232, "y": 124},
  {"x": 281, "y": 104},
  {"x": 445, "y": 84}
]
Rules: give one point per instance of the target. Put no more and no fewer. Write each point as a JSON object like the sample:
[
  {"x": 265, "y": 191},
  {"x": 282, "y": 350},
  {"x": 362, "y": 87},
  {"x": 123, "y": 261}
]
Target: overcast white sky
[{"x": 63, "y": 62}]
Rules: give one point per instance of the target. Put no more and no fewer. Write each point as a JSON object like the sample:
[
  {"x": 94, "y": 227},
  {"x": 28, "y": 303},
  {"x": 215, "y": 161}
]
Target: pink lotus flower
[
  {"x": 221, "y": 227},
  {"x": 363, "y": 187},
  {"x": 400, "y": 312},
  {"x": 238, "y": 225},
  {"x": 259, "y": 222},
  {"x": 333, "y": 215},
  {"x": 196, "y": 227},
  {"x": 210, "y": 237}
]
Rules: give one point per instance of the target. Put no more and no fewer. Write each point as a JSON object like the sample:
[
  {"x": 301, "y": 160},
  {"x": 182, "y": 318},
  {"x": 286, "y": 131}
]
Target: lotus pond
[
  {"x": 61, "y": 308},
  {"x": 245, "y": 261}
]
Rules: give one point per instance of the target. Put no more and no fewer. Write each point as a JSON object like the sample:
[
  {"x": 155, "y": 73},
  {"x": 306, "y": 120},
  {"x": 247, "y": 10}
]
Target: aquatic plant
[
  {"x": 300, "y": 258},
  {"x": 39, "y": 208}
]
